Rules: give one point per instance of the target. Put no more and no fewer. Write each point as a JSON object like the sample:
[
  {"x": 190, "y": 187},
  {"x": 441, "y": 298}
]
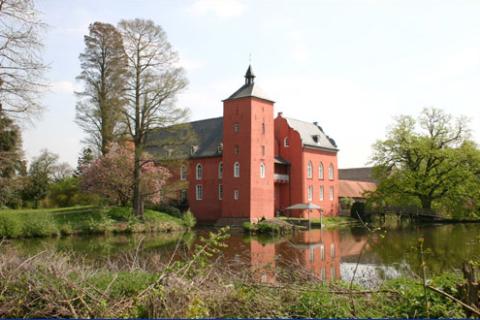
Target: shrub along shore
[{"x": 83, "y": 220}]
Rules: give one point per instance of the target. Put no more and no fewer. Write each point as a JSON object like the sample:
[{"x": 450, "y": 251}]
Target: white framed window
[
  {"x": 321, "y": 193},
  {"x": 236, "y": 169},
  {"x": 330, "y": 172},
  {"x": 320, "y": 171},
  {"x": 220, "y": 192},
  {"x": 262, "y": 170},
  {"x": 236, "y": 194},
  {"x": 183, "y": 172},
  {"x": 309, "y": 170},
  {"x": 310, "y": 193},
  {"x": 220, "y": 170},
  {"x": 199, "y": 171},
  {"x": 285, "y": 142},
  {"x": 236, "y": 127},
  {"x": 331, "y": 194},
  {"x": 198, "y": 192}
]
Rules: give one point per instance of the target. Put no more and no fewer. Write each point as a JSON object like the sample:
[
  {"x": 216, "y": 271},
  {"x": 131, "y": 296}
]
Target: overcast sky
[{"x": 350, "y": 65}]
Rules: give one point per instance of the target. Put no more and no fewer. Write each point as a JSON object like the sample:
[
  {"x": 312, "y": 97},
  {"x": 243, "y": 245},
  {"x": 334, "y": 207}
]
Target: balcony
[{"x": 280, "y": 178}]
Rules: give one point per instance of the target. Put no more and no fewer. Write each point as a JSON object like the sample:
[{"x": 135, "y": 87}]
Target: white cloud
[
  {"x": 220, "y": 8},
  {"x": 63, "y": 87}
]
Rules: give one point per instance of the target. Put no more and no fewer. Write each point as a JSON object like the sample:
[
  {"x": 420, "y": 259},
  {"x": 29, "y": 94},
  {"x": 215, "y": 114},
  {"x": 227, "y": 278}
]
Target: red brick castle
[{"x": 247, "y": 165}]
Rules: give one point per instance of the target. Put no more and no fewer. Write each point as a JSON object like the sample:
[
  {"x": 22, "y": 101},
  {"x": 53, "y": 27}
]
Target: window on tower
[
  {"x": 263, "y": 150},
  {"x": 220, "y": 192},
  {"x": 236, "y": 194},
  {"x": 262, "y": 170},
  {"x": 236, "y": 149},
  {"x": 236, "y": 127},
  {"x": 285, "y": 142},
  {"x": 236, "y": 169},
  {"x": 263, "y": 127}
]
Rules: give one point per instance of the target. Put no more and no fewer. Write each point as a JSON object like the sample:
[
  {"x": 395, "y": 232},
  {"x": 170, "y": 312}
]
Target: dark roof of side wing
[{"x": 312, "y": 135}]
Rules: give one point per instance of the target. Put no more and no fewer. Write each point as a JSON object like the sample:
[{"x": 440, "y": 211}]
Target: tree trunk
[
  {"x": 426, "y": 203},
  {"x": 138, "y": 208}
]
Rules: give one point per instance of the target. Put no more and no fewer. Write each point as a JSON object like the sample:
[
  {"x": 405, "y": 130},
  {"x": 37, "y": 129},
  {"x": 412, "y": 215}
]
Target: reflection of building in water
[
  {"x": 317, "y": 251},
  {"x": 262, "y": 259}
]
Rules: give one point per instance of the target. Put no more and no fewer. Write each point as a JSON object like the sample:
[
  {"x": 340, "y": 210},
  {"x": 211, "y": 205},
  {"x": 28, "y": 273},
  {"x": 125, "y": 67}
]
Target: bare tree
[
  {"x": 154, "y": 80},
  {"x": 21, "y": 65},
  {"x": 103, "y": 66}
]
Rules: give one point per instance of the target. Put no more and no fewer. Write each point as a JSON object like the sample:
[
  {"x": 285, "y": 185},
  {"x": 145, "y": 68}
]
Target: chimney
[
  {"x": 315, "y": 123},
  {"x": 280, "y": 114}
]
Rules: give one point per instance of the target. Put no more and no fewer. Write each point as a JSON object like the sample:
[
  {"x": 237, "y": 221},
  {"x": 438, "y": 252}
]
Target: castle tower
[{"x": 248, "y": 153}]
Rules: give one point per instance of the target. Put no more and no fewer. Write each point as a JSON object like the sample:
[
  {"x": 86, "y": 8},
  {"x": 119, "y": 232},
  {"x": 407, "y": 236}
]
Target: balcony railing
[{"x": 278, "y": 177}]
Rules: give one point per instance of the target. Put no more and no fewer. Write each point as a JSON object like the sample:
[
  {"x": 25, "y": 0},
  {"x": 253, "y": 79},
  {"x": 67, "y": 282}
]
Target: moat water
[{"x": 327, "y": 254}]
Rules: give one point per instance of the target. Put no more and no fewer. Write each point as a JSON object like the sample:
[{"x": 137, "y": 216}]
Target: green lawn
[{"x": 82, "y": 220}]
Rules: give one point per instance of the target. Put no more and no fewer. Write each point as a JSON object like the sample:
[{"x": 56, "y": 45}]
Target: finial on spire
[{"x": 249, "y": 76}]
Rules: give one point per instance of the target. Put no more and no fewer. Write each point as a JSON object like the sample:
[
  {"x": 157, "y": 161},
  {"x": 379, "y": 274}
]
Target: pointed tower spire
[{"x": 249, "y": 76}]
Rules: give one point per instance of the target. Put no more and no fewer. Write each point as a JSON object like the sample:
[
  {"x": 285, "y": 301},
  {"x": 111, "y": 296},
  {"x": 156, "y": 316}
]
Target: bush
[
  {"x": 171, "y": 210},
  {"x": 39, "y": 225},
  {"x": 189, "y": 219},
  {"x": 10, "y": 226}
]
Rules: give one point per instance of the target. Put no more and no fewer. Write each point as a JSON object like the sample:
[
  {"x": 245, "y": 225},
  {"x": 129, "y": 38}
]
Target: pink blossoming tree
[{"x": 110, "y": 176}]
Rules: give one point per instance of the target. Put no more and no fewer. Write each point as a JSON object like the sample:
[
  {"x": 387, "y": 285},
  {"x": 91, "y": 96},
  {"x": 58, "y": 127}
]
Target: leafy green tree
[
  {"x": 12, "y": 165},
  {"x": 428, "y": 162},
  {"x": 40, "y": 174}
]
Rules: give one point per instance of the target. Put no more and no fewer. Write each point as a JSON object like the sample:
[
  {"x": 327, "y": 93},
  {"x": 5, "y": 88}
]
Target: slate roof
[
  {"x": 249, "y": 89},
  {"x": 309, "y": 132},
  {"x": 357, "y": 174},
  {"x": 208, "y": 137}
]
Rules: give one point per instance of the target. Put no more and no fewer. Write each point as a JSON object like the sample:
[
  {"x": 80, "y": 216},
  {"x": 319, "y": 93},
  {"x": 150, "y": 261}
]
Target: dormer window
[
  {"x": 316, "y": 139},
  {"x": 193, "y": 149}
]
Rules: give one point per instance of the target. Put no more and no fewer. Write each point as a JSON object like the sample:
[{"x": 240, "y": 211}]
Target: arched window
[
  {"x": 285, "y": 142},
  {"x": 262, "y": 170},
  {"x": 236, "y": 194},
  {"x": 330, "y": 172},
  {"x": 331, "y": 194},
  {"x": 199, "y": 192},
  {"x": 236, "y": 169},
  {"x": 199, "y": 171},
  {"x": 320, "y": 171},
  {"x": 309, "y": 170},
  {"x": 310, "y": 193},
  {"x": 321, "y": 193},
  {"x": 220, "y": 170},
  {"x": 183, "y": 172}
]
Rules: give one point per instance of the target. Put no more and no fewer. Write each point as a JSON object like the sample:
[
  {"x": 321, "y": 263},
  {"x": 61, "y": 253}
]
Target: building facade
[{"x": 249, "y": 165}]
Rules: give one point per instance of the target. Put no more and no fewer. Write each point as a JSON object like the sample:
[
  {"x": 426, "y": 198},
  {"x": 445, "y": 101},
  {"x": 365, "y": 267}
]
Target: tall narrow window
[
  {"x": 330, "y": 172},
  {"x": 236, "y": 149},
  {"x": 236, "y": 169},
  {"x": 263, "y": 127},
  {"x": 309, "y": 170},
  {"x": 332, "y": 250},
  {"x": 310, "y": 193},
  {"x": 263, "y": 150},
  {"x": 320, "y": 171},
  {"x": 220, "y": 170},
  {"x": 220, "y": 192},
  {"x": 183, "y": 195},
  {"x": 236, "y": 127},
  {"x": 236, "y": 194},
  {"x": 322, "y": 251},
  {"x": 183, "y": 172},
  {"x": 321, "y": 193},
  {"x": 262, "y": 170},
  {"x": 199, "y": 172},
  {"x": 285, "y": 142},
  {"x": 199, "y": 192},
  {"x": 331, "y": 194}
]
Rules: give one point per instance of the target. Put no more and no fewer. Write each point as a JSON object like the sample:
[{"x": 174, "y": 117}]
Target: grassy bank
[
  {"x": 82, "y": 220},
  {"x": 53, "y": 285},
  {"x": 272, "y": 227}
]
